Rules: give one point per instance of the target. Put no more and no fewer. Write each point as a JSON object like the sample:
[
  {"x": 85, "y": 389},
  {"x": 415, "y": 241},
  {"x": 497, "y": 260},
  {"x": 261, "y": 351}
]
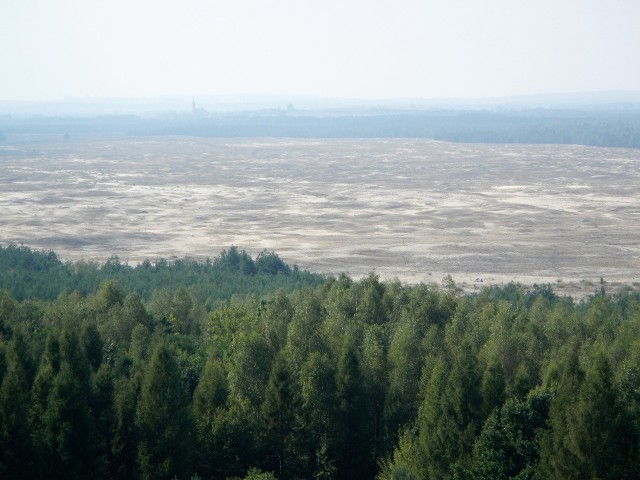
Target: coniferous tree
[
  {"x": 8, "y": 309},
  {"x": 374, "y": 370},
  {"x": 74, "y": 355},
  {"x": 92, "y": 344},
  {"x": 70, "y": 434},
  {"x": 3, "y": 360},
  {"x": 600, "y": 433},
  {"x": 279, "y": 411},
  {"x": 16, "y": 451},
  {"x": 124, "y": 443},
  {"x": 211, "y": 393},
  {"x": 369, "y": 307},
  {"x": 133, "y": 313},
  {"x": 104, "y": 416},
  {"x": 304, "y": 333},
  {"x": 451, "y": 414},
  {"x": 294, "y": 383},
  {"x": 405, "y": 353},
  {"x": 354, "y": 457},
  {"x": 507, "y": 447},
  {"x": 47, "y": 371},
  {"x": 318, "y": 392},
  {"x": 209, "y": 401},
  {"x": 275, "y": 316},
  {"x": 233, "y": 442},
  {"x": 557, "y": 457},
  {"x": 250, "y": 361},
  {"x": 163, "y": 419}
]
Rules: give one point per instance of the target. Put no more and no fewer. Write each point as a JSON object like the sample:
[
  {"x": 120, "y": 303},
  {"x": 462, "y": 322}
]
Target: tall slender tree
[
  {"x": 164, "y": 419},
  {"x": 16, "y": 451},
  {"x": 354, "y": 458},
  {"x": 279, "y": 412}
]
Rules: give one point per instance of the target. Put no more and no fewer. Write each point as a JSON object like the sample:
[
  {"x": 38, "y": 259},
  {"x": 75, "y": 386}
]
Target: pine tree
[
  {"x": 209, "y": 400},
  {"x": 103, "y": 414},
  {"x": 557, "y": 457},
  {"x": 507, "y": 447},
  {"x": 249, "y": 367},
  {"x": 124, "y": 444},
  {"x": 211, "y": 392},
  {"x": 42, "y": 384},
  {"x": 599, "y": 433},
  {"x": 304, "y": 332},
  {"x": 163, "y": 419},
  {"x": 451, "y": 414},
  {"x": 369, "y": 308},
  {"x": 318, "y": 392},
  {"x": 91, "y": 344},
  {"x": 405, "y": 350},
  {"x": 16, "y": 452},
  {"x": 279, "y": 416},
  {"x": 73, "y": 353},
  {"x": 275, "y": 316},
  {"x": 70, "y": 434},
  {"x": 354, "y": 459}
]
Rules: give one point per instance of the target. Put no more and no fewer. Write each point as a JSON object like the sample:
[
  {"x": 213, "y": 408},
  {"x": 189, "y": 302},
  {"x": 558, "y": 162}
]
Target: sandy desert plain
[{"x": 411, "y": 209}]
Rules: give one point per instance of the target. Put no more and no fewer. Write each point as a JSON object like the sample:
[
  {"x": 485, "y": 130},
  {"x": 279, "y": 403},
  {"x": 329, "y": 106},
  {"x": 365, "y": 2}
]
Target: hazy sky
[{"x": 51, "y": 49}]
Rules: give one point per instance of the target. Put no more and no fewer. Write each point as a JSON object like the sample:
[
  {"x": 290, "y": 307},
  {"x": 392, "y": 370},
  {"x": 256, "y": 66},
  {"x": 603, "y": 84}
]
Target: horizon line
[{"x": 252, "y": 96}]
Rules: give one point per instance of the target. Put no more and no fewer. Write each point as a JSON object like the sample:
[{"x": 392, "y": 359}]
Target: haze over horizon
[{"x": 348, "y": 49}]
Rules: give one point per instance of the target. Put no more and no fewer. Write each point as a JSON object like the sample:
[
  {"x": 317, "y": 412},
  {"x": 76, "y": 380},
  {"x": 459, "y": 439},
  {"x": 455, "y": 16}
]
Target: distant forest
[
  {"x": 240, "y": 367},
  {"x": 595, "y": 127}
]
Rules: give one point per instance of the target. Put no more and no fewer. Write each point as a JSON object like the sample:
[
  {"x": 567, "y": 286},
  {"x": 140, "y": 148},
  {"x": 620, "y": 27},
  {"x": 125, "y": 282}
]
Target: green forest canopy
[
  {"x": 29, "y": 274},
  {"x": 112, "y": 371}
]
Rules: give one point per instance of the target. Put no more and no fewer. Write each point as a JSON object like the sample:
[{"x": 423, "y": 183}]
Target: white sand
[{"x": 417, "y": 210}]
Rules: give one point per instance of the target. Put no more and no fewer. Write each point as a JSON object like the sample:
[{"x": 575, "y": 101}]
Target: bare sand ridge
[{"x": 417, "y": 209}]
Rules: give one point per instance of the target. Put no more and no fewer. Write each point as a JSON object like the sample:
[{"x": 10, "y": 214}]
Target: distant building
[{"x": 197, "y": 112}]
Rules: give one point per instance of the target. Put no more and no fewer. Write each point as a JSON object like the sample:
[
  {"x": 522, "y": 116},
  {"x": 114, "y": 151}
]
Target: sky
[{"x": 365, "y": 49}]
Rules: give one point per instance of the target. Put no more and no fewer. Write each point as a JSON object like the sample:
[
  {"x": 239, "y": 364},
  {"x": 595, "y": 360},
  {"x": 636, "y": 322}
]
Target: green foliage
[
  {"x": 29, "y": 274},
  {"x": 404, "y": 373},
  {"x": 15, "y": 390},
  {"x": 369, "y": 308},
  {"x": 71, "y": 442},
  {"x": 163, "y": 419},
  {"x": 403, "y": 464},
  {"x": 304, "y": 333},
  {"x": 256, "y": 474},
  {"x": 592, "y": 434},
  {"x": 249, "y": 366},
  {"x": 211, "y": 393},
  {"x": 278, "y": 413},
  {"x": 319, "y": 413},
  {"x": 354, "y": 435},
  {"x": 349, "y": 379},
  {"x": 92, "y": 345},
  {"x": 124, "y": 443},
  {"x": 507, "y": 447},
  {"x": 234, "y": 260},
  {"x": 271, "y": 264},
  {"x": 451, "y": 414}
]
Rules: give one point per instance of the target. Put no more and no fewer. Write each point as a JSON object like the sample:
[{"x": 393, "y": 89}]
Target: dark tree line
[
  {"x": 340, "y": 379},
  {"x": 604, "y": 127}
]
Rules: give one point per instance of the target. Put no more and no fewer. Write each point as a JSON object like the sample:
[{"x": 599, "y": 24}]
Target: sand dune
[{"x": 413, "y": 209}]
